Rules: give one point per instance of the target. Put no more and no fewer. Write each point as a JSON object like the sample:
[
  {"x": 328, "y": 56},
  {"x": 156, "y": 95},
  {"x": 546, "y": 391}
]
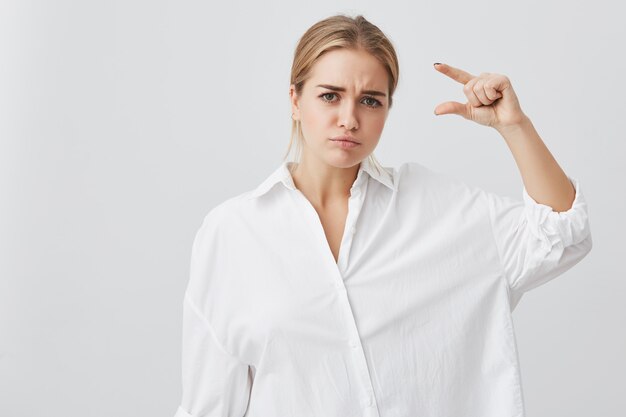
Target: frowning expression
[{"x": 346, "y": 95}]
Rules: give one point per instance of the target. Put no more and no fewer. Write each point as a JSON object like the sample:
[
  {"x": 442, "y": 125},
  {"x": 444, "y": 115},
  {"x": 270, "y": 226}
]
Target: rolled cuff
[{"x": 569, "y": 227}]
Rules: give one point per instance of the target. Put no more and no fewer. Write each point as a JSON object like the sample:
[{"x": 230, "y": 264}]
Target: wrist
[{"x": 514, "y": 128}]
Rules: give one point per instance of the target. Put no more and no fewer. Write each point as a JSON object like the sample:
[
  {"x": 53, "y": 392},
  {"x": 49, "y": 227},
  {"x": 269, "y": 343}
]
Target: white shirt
[{"x": 414, "y": 319}]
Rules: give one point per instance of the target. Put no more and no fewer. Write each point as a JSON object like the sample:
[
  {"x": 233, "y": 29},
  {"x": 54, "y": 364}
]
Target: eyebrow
[{"x": 335, "y": 88}]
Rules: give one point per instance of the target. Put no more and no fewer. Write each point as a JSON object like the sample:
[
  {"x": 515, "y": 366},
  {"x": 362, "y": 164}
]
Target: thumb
[{"x": 451, "y": 107}]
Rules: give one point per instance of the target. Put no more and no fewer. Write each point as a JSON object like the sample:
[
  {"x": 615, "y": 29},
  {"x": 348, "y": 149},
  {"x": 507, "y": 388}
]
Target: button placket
[
  {"x": 355, "y": 205},
  {"x": 361, "y": 365},
  {"x": 354, "y": 208}
]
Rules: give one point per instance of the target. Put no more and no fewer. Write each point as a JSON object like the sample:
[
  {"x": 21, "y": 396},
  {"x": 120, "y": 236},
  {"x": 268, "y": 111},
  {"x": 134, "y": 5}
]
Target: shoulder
[
  {"x": 414, "y": 175},
  {"x": 225, "y": 212},
  {"x": 426, "y": 189}
]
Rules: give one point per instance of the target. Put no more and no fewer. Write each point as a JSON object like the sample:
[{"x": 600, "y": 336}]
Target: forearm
[{"x": 543, "y": 178}]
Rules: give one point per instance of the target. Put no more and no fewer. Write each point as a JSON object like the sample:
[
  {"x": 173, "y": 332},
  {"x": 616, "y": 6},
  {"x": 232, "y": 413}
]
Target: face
[{"x": 346, "y": 94}]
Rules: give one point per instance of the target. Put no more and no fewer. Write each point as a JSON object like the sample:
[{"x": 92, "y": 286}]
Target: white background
[{"x": 123, "y": 122}]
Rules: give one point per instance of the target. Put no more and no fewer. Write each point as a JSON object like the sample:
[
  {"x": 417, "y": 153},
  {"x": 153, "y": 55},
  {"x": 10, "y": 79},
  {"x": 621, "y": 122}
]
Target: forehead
[{"x": 349, "y": 68}]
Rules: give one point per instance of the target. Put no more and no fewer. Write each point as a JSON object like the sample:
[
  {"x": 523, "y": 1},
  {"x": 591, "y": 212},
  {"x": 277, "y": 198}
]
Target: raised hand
[{"x": 492, "y": 101}]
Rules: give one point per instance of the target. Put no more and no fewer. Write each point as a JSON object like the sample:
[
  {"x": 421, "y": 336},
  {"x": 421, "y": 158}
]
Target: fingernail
[{"x": 437, "y": 63}]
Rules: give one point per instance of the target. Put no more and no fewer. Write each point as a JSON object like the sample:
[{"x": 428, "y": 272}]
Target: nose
[{"x": 347, "y": 116}]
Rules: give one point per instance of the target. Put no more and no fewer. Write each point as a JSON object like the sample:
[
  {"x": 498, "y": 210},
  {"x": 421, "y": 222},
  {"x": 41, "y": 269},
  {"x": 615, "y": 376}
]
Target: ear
[{"x": 293, "y": 98}]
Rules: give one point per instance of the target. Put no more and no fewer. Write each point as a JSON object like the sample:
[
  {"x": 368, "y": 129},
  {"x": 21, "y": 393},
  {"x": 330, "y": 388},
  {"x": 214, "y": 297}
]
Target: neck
[{"x": 321, "y": 183}]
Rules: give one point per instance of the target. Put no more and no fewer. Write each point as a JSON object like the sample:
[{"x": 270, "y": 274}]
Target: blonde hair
[{"x": 335, "y": 32}]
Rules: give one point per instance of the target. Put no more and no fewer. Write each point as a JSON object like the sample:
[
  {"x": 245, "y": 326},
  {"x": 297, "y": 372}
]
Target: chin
[{"x": 345, "y": 160}]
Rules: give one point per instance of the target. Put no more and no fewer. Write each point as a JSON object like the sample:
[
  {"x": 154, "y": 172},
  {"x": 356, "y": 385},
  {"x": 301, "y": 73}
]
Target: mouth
[
  {"x": 345, "y": 144},
  {"x": 345, "y": 139}
]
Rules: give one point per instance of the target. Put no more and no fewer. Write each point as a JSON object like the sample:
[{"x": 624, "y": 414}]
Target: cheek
[
  {"x": 314, "y": 120},
  {"x": 375, "y": 122},
  {"x": 317, "y": 114},
  {"x": 317, "y": 120}
]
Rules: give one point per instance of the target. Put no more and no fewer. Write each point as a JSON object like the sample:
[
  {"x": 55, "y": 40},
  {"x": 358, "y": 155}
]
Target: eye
[
  {"x": 369, "y": 101},
  {"x": 375, "y": 103},
  {"x": 326, "y": 94}
]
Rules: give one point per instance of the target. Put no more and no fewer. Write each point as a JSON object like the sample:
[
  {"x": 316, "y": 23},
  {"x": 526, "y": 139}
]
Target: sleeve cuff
[{"x": 570, "y": 226}]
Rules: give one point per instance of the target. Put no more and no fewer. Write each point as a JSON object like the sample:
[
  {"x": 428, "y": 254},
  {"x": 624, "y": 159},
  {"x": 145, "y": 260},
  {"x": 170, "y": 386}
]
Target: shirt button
[
  {"x": 354, "y": 344},
  {"x": 370, "y": 402}
]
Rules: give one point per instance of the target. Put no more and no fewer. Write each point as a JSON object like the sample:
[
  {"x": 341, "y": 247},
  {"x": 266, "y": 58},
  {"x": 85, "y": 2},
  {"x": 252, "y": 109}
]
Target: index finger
[{"x": 456, "y": 74}]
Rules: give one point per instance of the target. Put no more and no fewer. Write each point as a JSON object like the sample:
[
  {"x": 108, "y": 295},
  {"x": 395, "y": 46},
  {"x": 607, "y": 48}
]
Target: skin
[
  {"x": 327, "y": 171},
  {"x": 492, "y": 102}
]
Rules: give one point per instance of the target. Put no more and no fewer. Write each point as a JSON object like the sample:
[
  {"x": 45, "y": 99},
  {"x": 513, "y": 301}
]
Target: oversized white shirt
[{"x": 414, "y": 318}]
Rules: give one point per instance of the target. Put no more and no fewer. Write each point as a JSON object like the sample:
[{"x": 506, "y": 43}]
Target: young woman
[{"x": 339, "y": 288}]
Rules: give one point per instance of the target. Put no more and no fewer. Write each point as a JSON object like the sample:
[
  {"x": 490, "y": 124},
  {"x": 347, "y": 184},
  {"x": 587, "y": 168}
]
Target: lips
[{"x": 346, "y": 138}]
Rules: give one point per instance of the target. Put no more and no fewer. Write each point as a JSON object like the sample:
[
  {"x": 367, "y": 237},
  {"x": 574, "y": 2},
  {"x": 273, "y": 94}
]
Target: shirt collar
[{"x": 282, "y": 175}]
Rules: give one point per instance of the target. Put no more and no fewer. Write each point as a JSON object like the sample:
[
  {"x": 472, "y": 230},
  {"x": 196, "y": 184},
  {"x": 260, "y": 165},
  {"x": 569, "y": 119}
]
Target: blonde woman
[{"x": 341, "y": 288}]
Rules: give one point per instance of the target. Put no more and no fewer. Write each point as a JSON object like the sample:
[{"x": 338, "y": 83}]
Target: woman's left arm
[
  {"x": 543, "y": 178},
  {"x": 493, "y": 102}
]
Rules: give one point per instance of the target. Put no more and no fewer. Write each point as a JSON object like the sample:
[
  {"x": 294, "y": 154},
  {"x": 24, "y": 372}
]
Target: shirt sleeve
[
  {"x": 535, "y": 243},
  {"x": 214, "y": 383}
]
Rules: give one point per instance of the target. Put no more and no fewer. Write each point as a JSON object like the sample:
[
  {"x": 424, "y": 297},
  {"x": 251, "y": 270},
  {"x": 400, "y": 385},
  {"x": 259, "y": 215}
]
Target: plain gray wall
[{"x": 123, "y": 122}]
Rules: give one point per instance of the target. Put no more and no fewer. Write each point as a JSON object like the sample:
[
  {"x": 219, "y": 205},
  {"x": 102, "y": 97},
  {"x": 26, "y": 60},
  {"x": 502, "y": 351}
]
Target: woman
[{"x": 340, "y": 288}]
